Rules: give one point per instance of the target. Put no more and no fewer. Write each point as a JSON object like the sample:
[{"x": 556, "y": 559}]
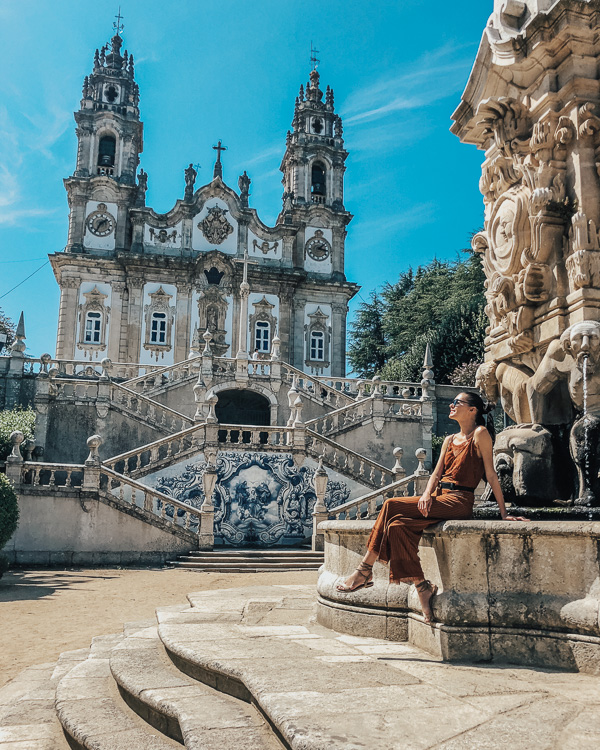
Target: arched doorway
[{"x": 243, "y": 407}]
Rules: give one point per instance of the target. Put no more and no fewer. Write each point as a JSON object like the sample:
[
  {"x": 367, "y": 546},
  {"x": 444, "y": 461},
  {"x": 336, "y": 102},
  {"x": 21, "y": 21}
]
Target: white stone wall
[
  {"x": 153, "y": 241},
  {"x": 256, "y": 250}
]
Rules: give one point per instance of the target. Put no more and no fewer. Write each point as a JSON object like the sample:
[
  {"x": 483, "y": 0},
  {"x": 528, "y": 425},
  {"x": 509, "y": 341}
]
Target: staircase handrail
[
  {"x": 336, "y": 412},
  {"x": 153, "y": 403},
  {"x": 162, "y": 370},
  {"x": 374, "y": 466},
  {"x": 63, "y": 365},
  {"x": 371, "y": 497},
  {"x": 150, "y": 491},
  {"x": 367, "y": 385},
  {"x": 312, "y": 378},
  {"x": 154, "y": 445}
]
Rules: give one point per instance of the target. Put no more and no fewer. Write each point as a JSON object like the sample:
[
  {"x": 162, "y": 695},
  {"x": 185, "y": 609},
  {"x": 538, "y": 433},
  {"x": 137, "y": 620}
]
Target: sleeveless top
[{"x": 462, "y": 464}]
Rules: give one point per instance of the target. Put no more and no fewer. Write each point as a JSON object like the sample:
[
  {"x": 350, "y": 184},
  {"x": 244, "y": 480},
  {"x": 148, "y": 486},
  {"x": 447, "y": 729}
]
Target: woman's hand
[
  {"x": 424, "y": 504},
  {"x": 514, "y": 518}
]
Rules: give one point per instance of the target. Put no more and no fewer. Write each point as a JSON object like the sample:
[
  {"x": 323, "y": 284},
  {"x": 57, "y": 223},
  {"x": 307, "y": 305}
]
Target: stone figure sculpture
[{"x": 190, "y": 180}]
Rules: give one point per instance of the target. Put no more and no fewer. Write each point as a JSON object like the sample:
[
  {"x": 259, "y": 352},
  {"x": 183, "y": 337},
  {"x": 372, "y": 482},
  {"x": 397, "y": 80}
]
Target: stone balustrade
[
  {"x": 348, "y": 462},
  {"x": 313, "y": 388},
  {"x": 153, "y": 412},
  {"x": 36, "y": 474},
  {"x": 343, "y": 418},
  {"x": 523, "y": 593},
  {"x": 165, "y": 376},
  {"x": 256, "y": 438}
]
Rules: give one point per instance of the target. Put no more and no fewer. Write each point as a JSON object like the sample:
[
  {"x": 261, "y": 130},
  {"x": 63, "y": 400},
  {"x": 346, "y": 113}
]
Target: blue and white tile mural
[{"x": 260, "y": 499}]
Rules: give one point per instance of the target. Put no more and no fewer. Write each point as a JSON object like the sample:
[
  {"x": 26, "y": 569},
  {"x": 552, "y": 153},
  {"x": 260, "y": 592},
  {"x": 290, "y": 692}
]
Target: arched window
[
  {"x": 93, "y": 328},
  {"x": 262, "y": 338},
  {"x": 158, "y": 328},
  {"x": 106, "y": 151},
  {"x": 318, "y": 180},
  {"x": 317, "y": 346}
]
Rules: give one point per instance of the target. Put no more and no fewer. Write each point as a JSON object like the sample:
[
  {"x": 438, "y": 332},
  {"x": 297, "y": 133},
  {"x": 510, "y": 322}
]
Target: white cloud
[
  {"x": 436, "y": 75},
  {"x": 16, "y": 216}
]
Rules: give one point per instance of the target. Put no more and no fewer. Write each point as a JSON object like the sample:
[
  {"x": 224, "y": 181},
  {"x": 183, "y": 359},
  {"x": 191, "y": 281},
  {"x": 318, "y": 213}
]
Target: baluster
[
  {"x": 68, "y": 482},
  {"x": 254, "y": 438},
  {"x": 361, "y": 468},
  {"x": 372, "y": 506},
  {"x": 36, "y": 477},
  {"x": 121, "y": 492},
  {"x": 187, "y": 519},
  {"x": 52, "y": 481},
  {"x": 148, "y": 501},
  {"x": 372, "y": 475},
  {"x": 163, "y": 510}
]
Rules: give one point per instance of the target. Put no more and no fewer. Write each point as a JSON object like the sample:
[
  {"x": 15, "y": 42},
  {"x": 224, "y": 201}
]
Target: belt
[{"x": 452, "y": 486}]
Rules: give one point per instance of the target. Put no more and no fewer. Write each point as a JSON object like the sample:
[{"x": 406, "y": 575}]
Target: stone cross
[{"x": 218, "y": 166}]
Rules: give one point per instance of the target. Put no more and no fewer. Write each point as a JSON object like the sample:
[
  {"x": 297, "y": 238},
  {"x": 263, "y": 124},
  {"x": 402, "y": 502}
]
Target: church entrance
[{"x": 243, "y": 407}]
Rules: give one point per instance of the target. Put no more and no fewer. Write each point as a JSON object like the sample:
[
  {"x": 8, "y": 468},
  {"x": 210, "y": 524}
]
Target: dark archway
[{"x": 243, "y": 407}]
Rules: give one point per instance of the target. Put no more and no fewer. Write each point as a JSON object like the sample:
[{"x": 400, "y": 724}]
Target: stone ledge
[{"x": 527, "y": 593}]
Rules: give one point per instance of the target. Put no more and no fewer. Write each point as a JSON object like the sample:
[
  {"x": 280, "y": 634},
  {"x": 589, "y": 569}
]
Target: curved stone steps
[
  {"x": 181, "y": 707},
  {"x": 93, "y": 714},
  {"x": 250, "y": 561}
]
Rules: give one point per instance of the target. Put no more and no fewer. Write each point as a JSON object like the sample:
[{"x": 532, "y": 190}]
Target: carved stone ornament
[
  {"x": 509, "y": 231},
  {"x": 212, "y": 312},
  {"x": 264, "y": 246},
  {"x": 162, "y": 236},
  {"x": 215, "y": 227},
  {"x": 583, "y": 264}
]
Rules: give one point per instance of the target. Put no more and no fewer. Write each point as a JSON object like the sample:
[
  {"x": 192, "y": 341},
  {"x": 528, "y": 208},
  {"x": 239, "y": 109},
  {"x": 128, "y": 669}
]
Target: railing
[
  {"x": 165, "y": 375},
  {"x": 132, "y": 493},
  {"x": 313, "y": 388},
  {"x": 342, "y": 418},
  {"x": 360, "y": 388},
  {"x": 259, "y": 368},
  {"x": 346, "y": 461},
  {"x": 150, "y": 411},
  {"x": 154, "y": 456},
  {"x": 402, "y": 408},
  {"x": 366, "y": 506},
  {"x": 37, "y": 474},
  {"x": 262, "y": 438},
  {"x": 73, "y": 368},
  {"x": 224, "y": 366},
  {"x": 79, "y": 390}
]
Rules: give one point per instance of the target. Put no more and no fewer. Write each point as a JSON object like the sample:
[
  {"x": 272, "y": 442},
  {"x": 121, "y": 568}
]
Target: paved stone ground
[
  {"x": 337, "y": 691},
  {"x": 46, "y": 612}
]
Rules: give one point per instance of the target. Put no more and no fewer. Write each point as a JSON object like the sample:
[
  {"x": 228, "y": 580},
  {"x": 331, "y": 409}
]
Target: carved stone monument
[{"x": 532, "y": 103}]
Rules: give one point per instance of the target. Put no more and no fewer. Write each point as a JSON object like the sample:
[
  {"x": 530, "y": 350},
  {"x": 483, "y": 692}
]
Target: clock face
[
  {"x": 100, "y": 222},
  {"x": 318, "y": 248}
]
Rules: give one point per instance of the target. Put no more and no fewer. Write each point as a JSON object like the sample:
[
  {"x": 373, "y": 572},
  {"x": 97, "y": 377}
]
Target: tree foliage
[
  {"x": 441, "y": 304},
  {"x": 8, "y": 327},
  {"x": 11, "y": 420}
]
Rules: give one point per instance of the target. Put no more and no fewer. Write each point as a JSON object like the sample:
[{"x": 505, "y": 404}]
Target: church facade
[{"x": 138, "y": 286}]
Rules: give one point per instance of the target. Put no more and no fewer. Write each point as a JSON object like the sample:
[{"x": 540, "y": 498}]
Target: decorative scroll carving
[
  {"x": 162, "y": 235},
  {"x": 583, "y": 264},
  {"x": 264, "y": 246},
  {"x": 215, "y": 227}
]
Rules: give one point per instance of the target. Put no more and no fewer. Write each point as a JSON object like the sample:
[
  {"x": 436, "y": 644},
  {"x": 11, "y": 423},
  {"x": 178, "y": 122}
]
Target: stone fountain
[{"x": 536, "y": 115}]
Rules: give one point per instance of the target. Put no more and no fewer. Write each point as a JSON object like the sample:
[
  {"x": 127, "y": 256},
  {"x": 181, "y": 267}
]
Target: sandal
[
  {"x": 429, "y": 617},
  {"x": 364, "y": 570}
]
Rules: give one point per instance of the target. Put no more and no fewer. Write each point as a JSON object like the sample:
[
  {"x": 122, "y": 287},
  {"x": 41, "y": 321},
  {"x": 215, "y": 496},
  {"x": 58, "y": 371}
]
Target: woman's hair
[{"x": 484, "y": 415}]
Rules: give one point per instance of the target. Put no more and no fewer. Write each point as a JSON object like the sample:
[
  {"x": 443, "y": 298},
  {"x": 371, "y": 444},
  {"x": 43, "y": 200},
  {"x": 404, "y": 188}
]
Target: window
[
  {"x": 93, "y": 327},
  {"x": 158, "y": 330},
  {"x": 106, "y": 151},
  {"x": 318, "y": 179},
  {"x": 317, "y": 346},
  {"x": 261, "y": 336}
]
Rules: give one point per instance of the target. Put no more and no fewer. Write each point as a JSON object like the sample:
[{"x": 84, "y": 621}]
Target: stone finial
[
  {"x": 398, "y": 471},
  {"x": 421, "y": 455},
  {"x": 207, "y": 336},
  {"x": 320, "y": 479},
  {"x": 376, "y": 386},
  {"x": 106, "y": 368},
  {"x": 275, "y": 348},
  {"x": 428, "y": 380},
  {"x": 298, "y": 405},
  {"x": 29, "y": 447},
  {"x": 16, "y": 438},
  {"x": 212, "y": 403},
  {"x": 17, "y": 348},
  {"x": 45, "y": 359},
  {"x": 93, "y": 443}
]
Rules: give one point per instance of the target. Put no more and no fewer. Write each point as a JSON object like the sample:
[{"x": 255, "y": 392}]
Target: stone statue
[
  {"x": 190, "y": 179},
  {"x": 244, "y": 185}
]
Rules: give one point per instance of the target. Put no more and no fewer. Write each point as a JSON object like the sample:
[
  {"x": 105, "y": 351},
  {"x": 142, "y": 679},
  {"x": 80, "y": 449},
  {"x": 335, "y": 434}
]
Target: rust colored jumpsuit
[{"x": 400, "y": 524}]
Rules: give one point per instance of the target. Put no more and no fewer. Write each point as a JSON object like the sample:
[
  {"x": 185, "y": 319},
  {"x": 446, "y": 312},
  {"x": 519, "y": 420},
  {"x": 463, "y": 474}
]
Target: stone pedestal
[{"x": 523, "y": 593}]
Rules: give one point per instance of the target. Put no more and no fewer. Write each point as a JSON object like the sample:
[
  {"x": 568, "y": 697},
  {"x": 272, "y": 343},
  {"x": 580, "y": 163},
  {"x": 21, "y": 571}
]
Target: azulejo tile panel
[{"x": 260, "y": 499}]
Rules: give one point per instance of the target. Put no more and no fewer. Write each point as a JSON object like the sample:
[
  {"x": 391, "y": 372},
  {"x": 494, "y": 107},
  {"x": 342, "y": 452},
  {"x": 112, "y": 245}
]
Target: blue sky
[{"x": 231, "y": 70}]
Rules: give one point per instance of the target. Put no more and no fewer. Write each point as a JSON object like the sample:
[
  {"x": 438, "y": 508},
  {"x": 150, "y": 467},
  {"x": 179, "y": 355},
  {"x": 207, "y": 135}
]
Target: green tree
[
  {"x": 367, "y": 351},
  {"x": 15, "y": 419},
  {"x": 9, "y": 516},
  {"x": 7, "y": 327}
]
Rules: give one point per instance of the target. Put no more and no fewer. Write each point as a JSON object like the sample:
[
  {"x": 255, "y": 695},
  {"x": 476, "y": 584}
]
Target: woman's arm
[
  {"x": 483, "y": 443},
  {"x": 425, "y": 500}
]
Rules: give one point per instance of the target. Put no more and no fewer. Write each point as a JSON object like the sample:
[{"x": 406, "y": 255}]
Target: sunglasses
[{"x": 458, "y": 401}]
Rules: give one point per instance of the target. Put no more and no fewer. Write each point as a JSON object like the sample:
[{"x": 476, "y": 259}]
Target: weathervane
[
  {"x": 117, "y": 25},
  {"x": 314, "y": 61}
]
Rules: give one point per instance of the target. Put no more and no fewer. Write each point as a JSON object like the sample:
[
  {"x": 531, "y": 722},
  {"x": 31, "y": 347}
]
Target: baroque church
[{"x": 139, "y": 286}]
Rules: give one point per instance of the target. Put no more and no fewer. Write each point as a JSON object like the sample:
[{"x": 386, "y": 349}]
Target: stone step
[
  {"x": 184, "y": 709},
  {"x": 280, "y": 555},
  {"x": 245, "y": 567},
  {"x": 92, "y": 713}
]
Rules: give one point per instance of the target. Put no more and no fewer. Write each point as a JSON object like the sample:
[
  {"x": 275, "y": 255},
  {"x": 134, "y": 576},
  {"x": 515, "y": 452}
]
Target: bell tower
[
  {"x": 109, "y": 143},
  {"x": 313, "y": 163}
]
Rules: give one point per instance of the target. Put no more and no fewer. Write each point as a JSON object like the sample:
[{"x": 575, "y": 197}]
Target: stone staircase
[
  {"x": 273, "y": 560},
  {"x": 249, "y": 669}
]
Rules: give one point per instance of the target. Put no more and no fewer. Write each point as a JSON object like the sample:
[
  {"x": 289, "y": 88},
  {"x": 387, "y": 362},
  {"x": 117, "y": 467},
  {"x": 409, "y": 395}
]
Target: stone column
[
  {"x": 116, "y": 314},
  {"x": 183, "y": 317},
  {"x": 135, "y": 318},
  {"x": 76, "y": 223},
  {"x": 337, "y": 248},
  {"x": 339, "y": 311},
  {"x": 67, "y": 317}
]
